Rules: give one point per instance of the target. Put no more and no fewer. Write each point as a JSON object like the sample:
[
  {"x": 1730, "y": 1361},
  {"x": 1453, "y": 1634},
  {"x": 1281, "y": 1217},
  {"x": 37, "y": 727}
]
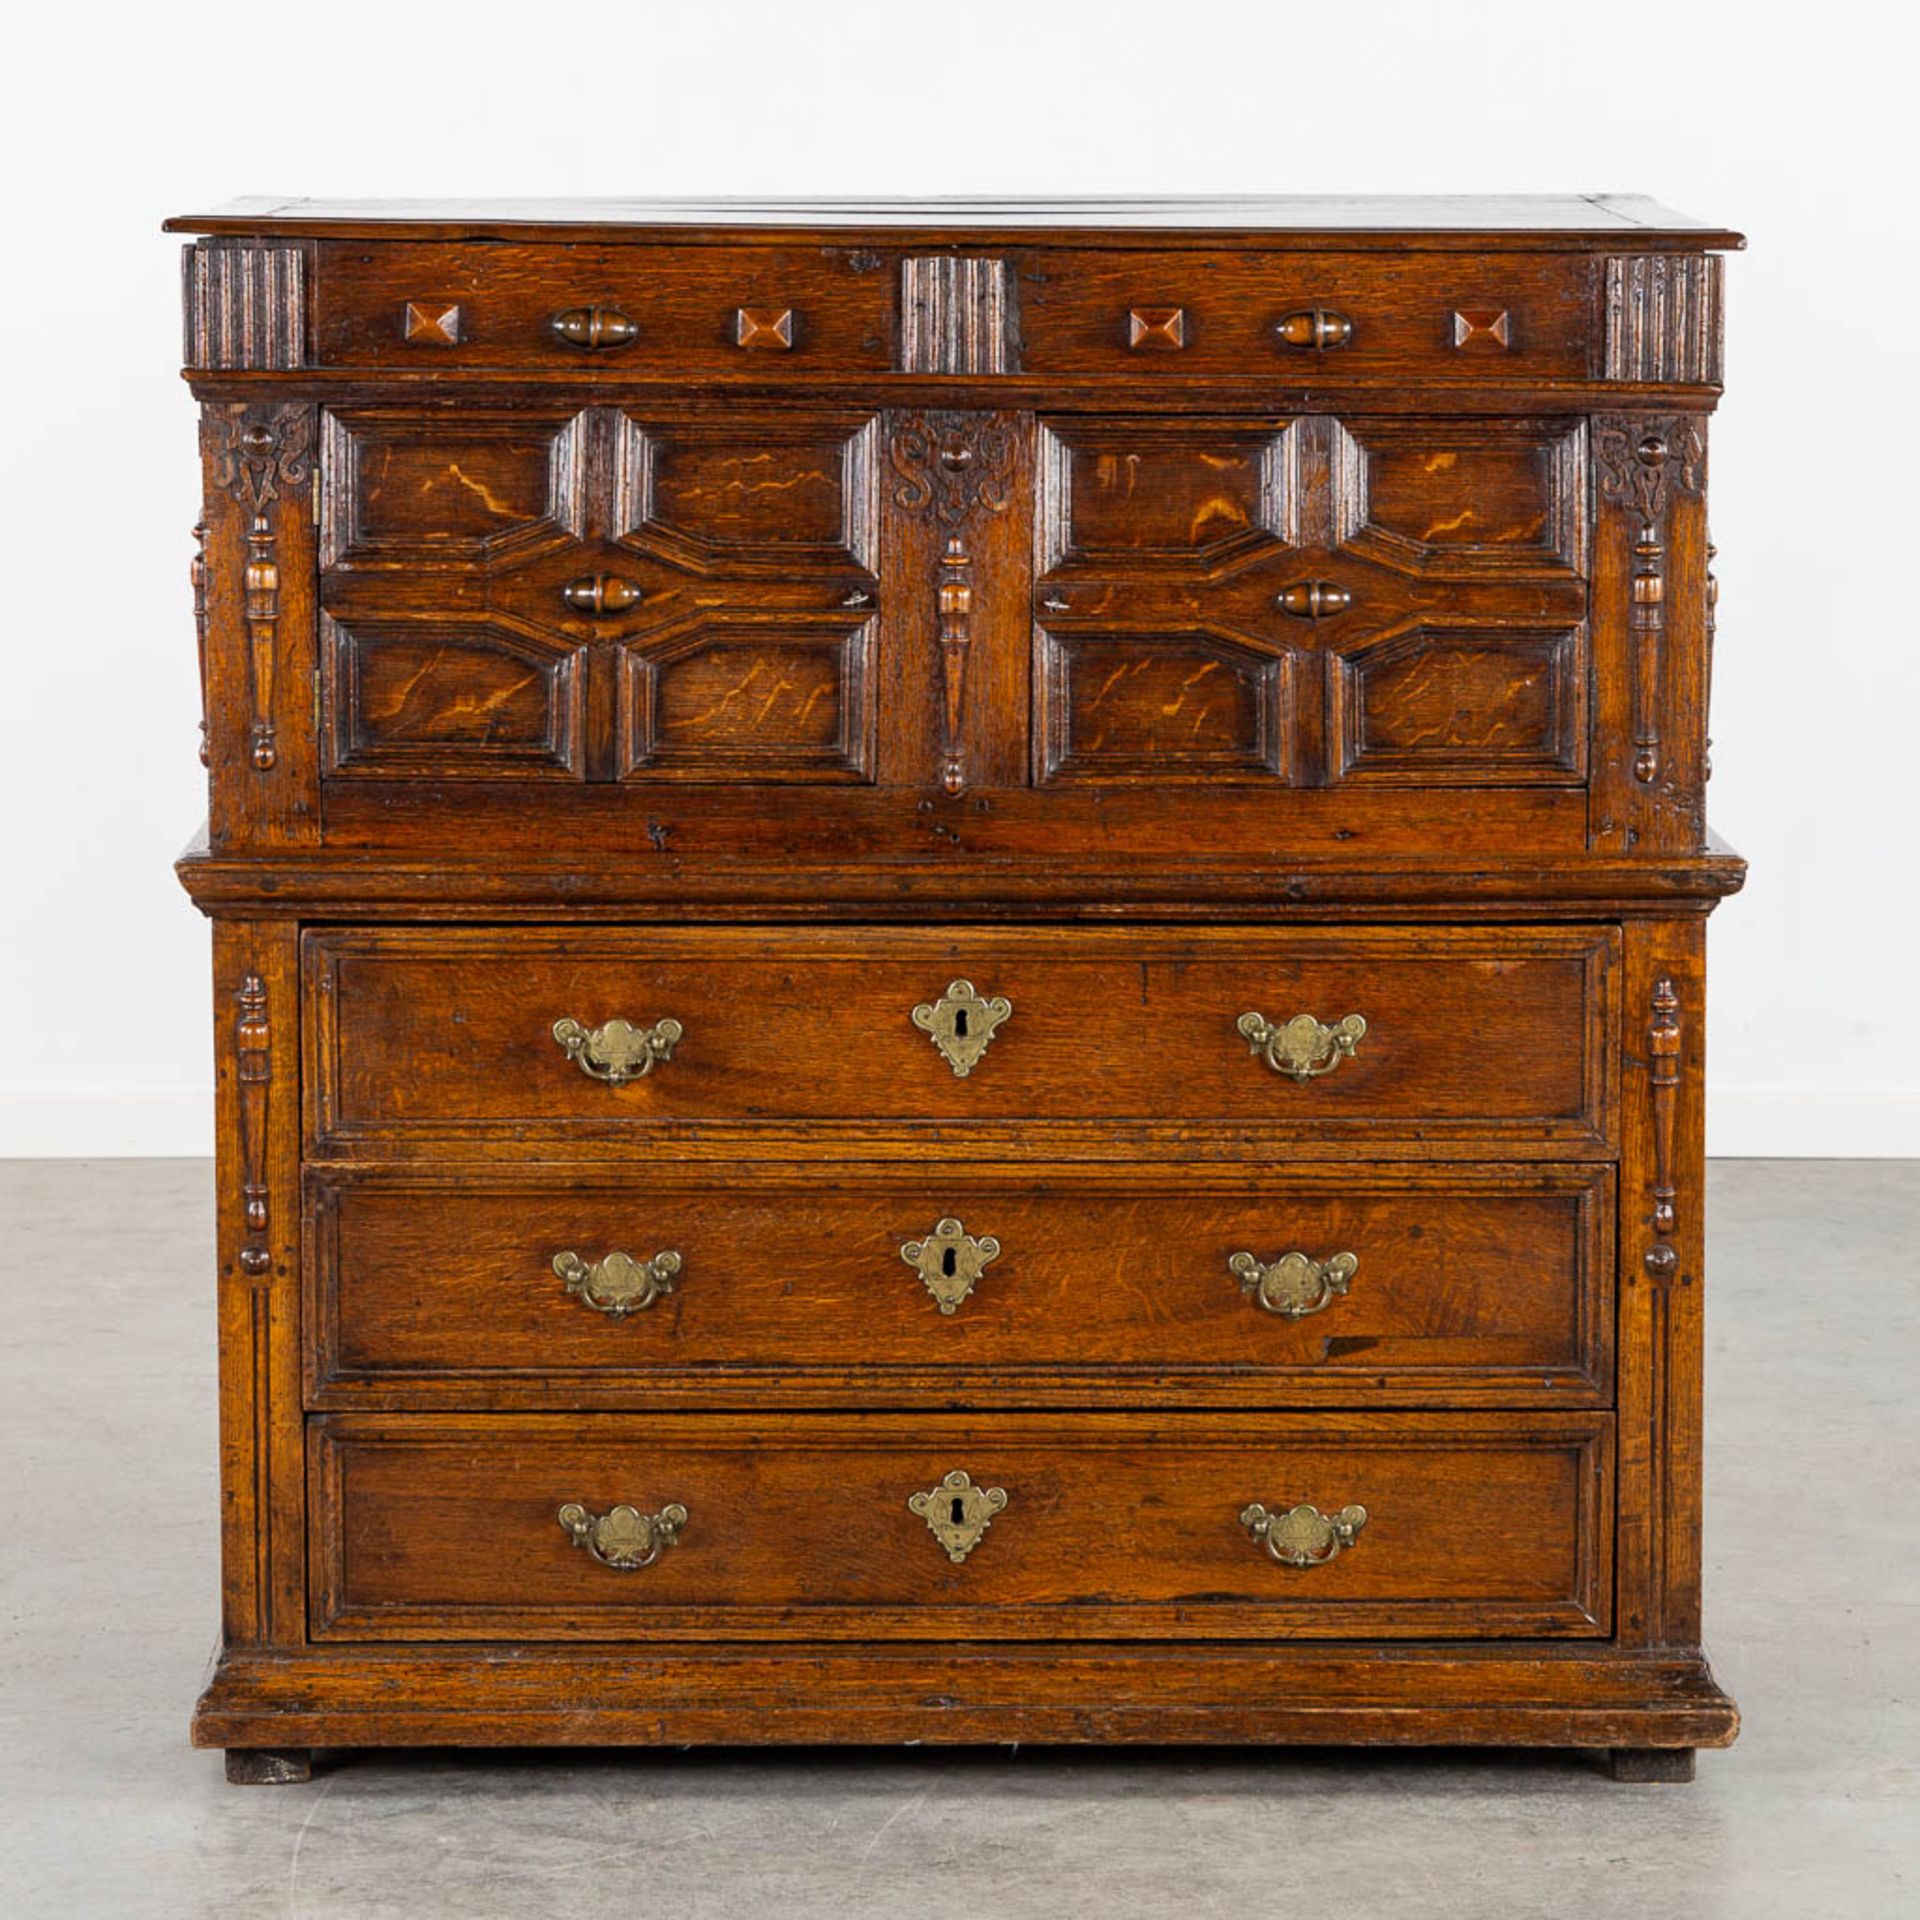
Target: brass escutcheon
[
  {"x": 623, "y": 1538},
  {"x": 1302, "y": 1048},
  {"x": 1303, "y": 1536},
  {"x": 618, "y": 1284},
  {"x": 1294, "y": 1285},
  {"x": 961, "y": 1024},
  {"x": 619, "y": 1051},
  {"x": 950, "y": 1260},
  {"x": 957, "y": 1512}
]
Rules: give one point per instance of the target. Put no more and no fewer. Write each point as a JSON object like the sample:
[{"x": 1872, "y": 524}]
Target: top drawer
[
  {"x": 1090, "y": 1043},
  {"x": 774, "y": 314}
]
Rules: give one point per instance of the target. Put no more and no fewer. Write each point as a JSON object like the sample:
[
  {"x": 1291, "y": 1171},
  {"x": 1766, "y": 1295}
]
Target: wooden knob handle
[
  {"x": 1314, "y": 328},
  {"x": 1313, "y": 599},
  {"x": 600, "y": 593},
  {"x": 594, "y": 327}
]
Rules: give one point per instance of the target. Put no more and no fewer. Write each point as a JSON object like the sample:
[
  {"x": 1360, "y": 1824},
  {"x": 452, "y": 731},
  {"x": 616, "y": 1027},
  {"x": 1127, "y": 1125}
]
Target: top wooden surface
[{"x": 1598, "y": 221}]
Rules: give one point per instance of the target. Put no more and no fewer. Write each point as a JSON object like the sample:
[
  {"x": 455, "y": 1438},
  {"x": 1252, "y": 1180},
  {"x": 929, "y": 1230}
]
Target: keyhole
[
  {"x": 959, "y": 1512},
  {"x": 948, "y": 1264},
  {"x": 960, "y": 1022}
]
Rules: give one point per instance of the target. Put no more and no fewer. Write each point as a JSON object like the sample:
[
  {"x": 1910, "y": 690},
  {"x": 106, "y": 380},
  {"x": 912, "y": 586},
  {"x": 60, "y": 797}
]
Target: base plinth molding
[{"x": 1320, "y": 1695}]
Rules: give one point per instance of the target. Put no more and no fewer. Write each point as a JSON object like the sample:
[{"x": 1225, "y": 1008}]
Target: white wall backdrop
[{"x": 1796, "y": 126}]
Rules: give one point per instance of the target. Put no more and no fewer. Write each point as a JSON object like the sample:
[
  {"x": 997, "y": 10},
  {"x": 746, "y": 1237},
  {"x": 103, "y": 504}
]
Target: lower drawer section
[
  {"x": 1183, "y": 1526},
  {"x": 1416, "y": 1286}
]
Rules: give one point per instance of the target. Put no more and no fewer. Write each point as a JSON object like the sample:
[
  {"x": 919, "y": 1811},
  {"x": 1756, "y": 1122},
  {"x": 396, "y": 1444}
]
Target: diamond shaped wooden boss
[{"x": 433, "y": 323}]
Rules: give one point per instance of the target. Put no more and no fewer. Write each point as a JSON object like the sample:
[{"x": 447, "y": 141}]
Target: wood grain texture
[
  {"x": 1543, "y": 1694},
  {"x": 1480, "y": 1526},
  {"x": 765, "y": 616},
  {"x": 1476, "y": 1286},
  {"x": 258, "y": 1293},
  {"x": 1494, "y": 1036},
  {"x": 1453, "y": 222}
]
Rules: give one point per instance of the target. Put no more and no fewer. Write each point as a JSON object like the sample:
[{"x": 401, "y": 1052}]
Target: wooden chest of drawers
[{"x": 958, "y": 971}]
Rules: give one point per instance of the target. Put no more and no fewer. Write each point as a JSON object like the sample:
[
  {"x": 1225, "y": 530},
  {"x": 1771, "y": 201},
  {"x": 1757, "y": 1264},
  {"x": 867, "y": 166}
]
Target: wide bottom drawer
[{"x": 1189, "y": 1526}]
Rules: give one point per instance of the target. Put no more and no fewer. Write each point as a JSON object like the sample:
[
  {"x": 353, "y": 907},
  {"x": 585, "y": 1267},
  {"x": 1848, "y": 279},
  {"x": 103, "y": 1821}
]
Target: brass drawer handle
[
  {"x": 619, "y": 1284},
  {"x": 957, "y": 1512},
  {"x": 619, "y": 1051},
  {"x": 1313, "y": 599},
  {"x": 594, "y": 328},
  {"x": 1295, "y": 1285},
  {"x": 1302, "y": 1048},
  {"x": 623, "y": 1538},
  {"x": 1316, "y": 329},
  {"x": 961, "y": 1024},
  {"x": 600, "y": 593},
  {"x": 950, "y": 1260},
  {"x": 1303, "y": 1536}
]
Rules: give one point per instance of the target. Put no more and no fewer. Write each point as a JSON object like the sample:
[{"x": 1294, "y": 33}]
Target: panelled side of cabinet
[{"x": 1030, "y": 876}]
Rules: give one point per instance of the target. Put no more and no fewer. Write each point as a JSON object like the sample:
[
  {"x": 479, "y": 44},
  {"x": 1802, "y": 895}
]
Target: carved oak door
[
  {"x": 599, "y": 594},
  {"x": 1311, "y": 601}
]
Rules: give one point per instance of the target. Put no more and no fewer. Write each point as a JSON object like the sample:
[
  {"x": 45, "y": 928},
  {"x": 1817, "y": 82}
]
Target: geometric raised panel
[
  {"x": 1472, "y": 705},
  {"x": 406, "y": 488},
  {"x": 1195, "y": 705},
  {"x": 741, "y": 494},
  {"x": 1174, "y": 495},
  {"x": 450, "y": 698},
  {"x": 432, "y": 323},
  {"x": 1482, "y": 329},
  {"x": 736, "y": 697},
  {"x": 1467, "y": 499}
]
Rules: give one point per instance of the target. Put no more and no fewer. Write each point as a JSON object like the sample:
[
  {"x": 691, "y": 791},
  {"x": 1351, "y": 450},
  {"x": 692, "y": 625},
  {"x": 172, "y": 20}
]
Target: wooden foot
[
  {"x": 1669, "y": 1764},
  {"x": 268, "y": 1766}
]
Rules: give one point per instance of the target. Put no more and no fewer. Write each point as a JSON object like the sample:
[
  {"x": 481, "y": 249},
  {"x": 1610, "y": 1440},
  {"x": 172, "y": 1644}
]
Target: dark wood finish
[
  {"x": 1666, "y": 1766},
  {"x": 1479, "y": 1527},
  {"x": 1397, "y": 223},
  {"x": 1477, "y": 1286},
  {"x": 762, "y": 616}
]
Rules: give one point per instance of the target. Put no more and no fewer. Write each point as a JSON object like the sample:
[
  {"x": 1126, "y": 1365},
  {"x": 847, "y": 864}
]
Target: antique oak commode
[{"x": 958, "y": 971}]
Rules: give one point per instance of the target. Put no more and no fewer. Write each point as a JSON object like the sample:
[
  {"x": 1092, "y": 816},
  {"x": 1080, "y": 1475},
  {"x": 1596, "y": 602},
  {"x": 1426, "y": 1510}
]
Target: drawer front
[
  {"x": 766, "y": 313},
  {"x": 823, "y": 1286},
  {"x": 1322, "y": 319},
  {"x": 1188, "y": 1527},
  {"x": 813, "y": 1042},
  {"x": 777, "y": 314}
]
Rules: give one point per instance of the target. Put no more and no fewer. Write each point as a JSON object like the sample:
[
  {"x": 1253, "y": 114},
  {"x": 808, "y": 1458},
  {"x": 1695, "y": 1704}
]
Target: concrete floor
[{"x": 107, "y": 1610}]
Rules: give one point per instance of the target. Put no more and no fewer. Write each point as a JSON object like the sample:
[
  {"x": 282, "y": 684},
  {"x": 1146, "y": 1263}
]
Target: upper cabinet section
[
  {"x": 973, "y": 539},
  {"x": 1263, "y": 311}
]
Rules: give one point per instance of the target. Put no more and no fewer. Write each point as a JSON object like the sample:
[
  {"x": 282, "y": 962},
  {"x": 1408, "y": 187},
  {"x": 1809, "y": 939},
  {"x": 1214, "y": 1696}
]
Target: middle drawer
[
  {"x": 959, "y": 1285},
  {"x": 822, "y": 1044}
]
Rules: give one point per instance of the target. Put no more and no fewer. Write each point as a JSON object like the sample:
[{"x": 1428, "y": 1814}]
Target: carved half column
[
  {"x": 262, "y": 1463},
  {"x": 1661, "y": 1217},
  {"x": 959, "y": 486},
  {"x": 255, "y": 604},
  {"x": 1650, "y": 630}
]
